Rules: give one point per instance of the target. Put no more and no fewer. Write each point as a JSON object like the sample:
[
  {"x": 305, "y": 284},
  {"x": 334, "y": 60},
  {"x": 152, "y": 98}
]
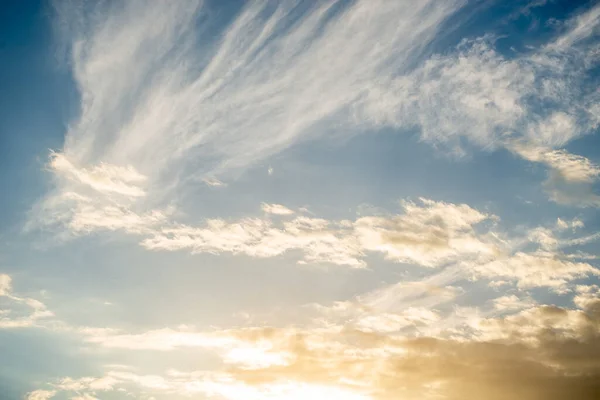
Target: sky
[{"x": 328, "y": 199}]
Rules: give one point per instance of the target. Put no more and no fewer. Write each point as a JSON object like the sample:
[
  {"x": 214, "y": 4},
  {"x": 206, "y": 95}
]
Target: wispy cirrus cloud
[
  {"x": 275, "y": 72},
  {"x": 162, "y": 108}
]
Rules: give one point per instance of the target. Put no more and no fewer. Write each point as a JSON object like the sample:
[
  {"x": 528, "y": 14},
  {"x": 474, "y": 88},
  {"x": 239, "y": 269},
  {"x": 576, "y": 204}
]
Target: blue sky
[{"x": 288, "y": 200}]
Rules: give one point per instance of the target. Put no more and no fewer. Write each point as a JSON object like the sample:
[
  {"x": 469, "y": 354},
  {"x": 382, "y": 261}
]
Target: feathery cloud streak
[
  {"x": 156, "y": 96},
  {"x": 162, "y": 104}
]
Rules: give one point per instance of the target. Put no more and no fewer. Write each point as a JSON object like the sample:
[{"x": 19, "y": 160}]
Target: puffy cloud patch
[
  {"x": 276, "y": 209},
  {"x": 535, "y": 269},
  {"x": 41, "y": 394}
]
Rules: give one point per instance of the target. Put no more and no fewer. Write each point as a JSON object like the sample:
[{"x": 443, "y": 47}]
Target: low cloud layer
[{"x": 541, "y": 352}]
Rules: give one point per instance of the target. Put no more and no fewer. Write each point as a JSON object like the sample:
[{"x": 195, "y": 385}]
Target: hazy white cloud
[
  {"x": 529, "y": 325},
  {"x": 427, "y": 233},
  {"x": 257, "y": 90},
  {"x": 5, "y": 285},
  {"x": 86, "y": 383},
  {"x": 512, "y": 303},
  {"x": 213, "y": 182},
  {"x": 19, "y": 312},
  {"x": 276, "y": 209},
  {"x": 162, "y": 340},
  {"x": 547, "y": 345},
  {"x": 223, "y": 385},
  {"x": 177, "y": 108},
  {"x": 85, "y": 396},
  {"x": 103, "y": 178},
  {"x": 535, "y": 269},
  {"x": 570, "y": 177},
  {"x": 587, "y": 297},
  {"x": 581, "y": 28},
  {"x": 570, "y": 167},
  {"x": 320, "y": 240},
  {"x": 495, "y": 102},
  {"x": 238, "y": 351},
  {"x": 430, "y": 234},
  {"x": 82, "y": 215},
  {"x": 575, "y": 223},
  {"x": 41, "y": 394},
  {"x": 394, "y": 308}
]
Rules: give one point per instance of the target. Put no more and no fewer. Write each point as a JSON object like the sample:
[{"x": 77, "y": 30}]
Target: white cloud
[
  {"x": 5, "y": 284},
  {"x": 234, "y": 350},
  {"x": 276, "y": 209},
  {"x": 370, "y": 360},
  {"x": 213, "y": 182},
  {"x": 529, "y": 325},
  {"x": 531, "y": 104},
  {"x": 580, "y": 28},
  {"x": 570, "y": 167},
  {"x": 160, "y": 110},
  {"x": 512, "y": 303},
  {"x": 430, "y": 234},
  {"x": 86, "y": 383},
  {"x": 41, "y": 394},
  {"x": 20, "y": 312},
  {"x": 587, "y": 297},
  {"x": 258, "y": 90},
  {"x": 570, "y": 178},
  {"x": 425, "y": 294},
  {"x": 427, "y": 233},
  {"x": 84, "y": 214},
  {"x": 535, "y": 269},
  {"x": 162, "y": 340},
  {"x": 103, "y": 178},
  {"x": 223, "y": 385},
  {"x": 320, "y": 240},
  {"x": 85, "y": 396}
]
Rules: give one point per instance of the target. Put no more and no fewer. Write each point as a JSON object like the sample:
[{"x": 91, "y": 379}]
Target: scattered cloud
[
  {"x": 19, "y": 312},
  {"x": 512, "y": 303},
  {"x": 213, "y": 182},
  {"x": 41, "y": 394},
  {"x": 535, "y": 269},
  {"x": 276, "y": 209},
  {"x": 587, "y": 297},
  {"x": 429, "y": 233}
]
